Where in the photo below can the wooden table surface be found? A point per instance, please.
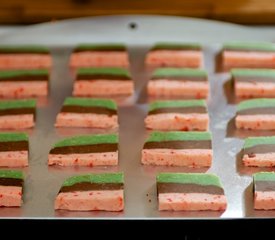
(237, 11)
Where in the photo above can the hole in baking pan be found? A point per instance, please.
(133, 26)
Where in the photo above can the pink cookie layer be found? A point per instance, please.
(86, 120)
(109, 200)
(191, 202)
(255, 122)
(264, 200)
(25, 61)
(10, 196)
(14, 159)
(180, 58)
(21, 121)
(177, 121)
(259, 160)
(176, 157)
(23, 89)
(254, 89)
(99, 59)
(166, 88)
(236, 59)
(102, 87)
(84, 159)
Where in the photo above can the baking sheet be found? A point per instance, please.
(43, 182)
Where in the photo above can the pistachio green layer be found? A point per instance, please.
(176, 45)
(18, 73)
(13, 137)
(179, 72)
(264, 176)
(243, 72)
(23, 49)
(10, 104)
(257, 46)
(254, 141)
(189, 178)
(94, 47)
(88, 140)
(11, 174)
(95, 178)
(176, 103)
(104, 71)
(256, 103)
(178, 136)
(90, 102)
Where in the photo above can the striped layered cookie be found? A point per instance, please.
(169, 54)
(179, 82)
(184, 115)
(14, 149)
(92, 192)
(190, 192)
(264, 190)
(99, 55)
(24, 57)
(256, 114)
(11, 188)
(17, 114)
(192, 149)
(87, 112)
(103, 82)
(86, 150)
(248, 55)
(259, 151)
(24, 83)
(253, 83)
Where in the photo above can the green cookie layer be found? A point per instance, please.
(23, 49)
(90, 102)
(11, 104)
(257, 46)
(88, 140)
(13, 137)
(261, 73)
(264, 176)
(176, 103)
(178, 72)
(256, 103)
(254, 141)
(19, 73)
(178, 136)
(11, 174)
(95, 178)
(101, 47)
(176, 46)
(189, 178)
(104, 71)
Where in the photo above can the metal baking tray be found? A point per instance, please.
(139, 33)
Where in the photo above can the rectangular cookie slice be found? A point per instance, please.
(92, 192)
(254, 83)
(99, 55)
(86, 150)
(14, 149)
(178, 82)
(11, 188)
(190, 192)
(24, 83)
(192, 149)
(103, 82)
(256, 114)
(169, 54)
(184, 115)
(88, 112)
(17, 114)
(25, 57)
(248, 55)
(259, 151)
(264, 190)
